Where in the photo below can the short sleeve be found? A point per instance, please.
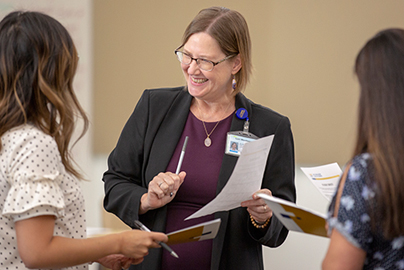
(34, 175)
(353, 220)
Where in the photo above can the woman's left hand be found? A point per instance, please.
(257, 207)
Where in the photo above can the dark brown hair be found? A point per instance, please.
(380, 70)
(230, 30)
(38, 61)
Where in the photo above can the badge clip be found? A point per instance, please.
(236, 139)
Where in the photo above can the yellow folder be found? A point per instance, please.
(296, 218)
(202, 231)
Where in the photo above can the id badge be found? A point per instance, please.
(236, 140)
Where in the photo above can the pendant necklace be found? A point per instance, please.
(208, 140)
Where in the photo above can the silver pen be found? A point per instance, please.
(184, 146)
(164, 245)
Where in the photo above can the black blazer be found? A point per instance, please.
(157, 123)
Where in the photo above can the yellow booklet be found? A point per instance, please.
(202, 231)
(296, 218)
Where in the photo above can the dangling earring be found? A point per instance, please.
(234, 83)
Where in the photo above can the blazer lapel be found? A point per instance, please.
(163, 146)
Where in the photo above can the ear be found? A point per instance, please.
(236, 63)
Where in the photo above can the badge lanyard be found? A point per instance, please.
(236, 139)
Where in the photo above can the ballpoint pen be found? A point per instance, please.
(164, 245)
(184, 146)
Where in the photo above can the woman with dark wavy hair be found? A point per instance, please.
(42, 218)
(366, 215)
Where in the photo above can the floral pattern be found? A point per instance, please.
(353, 219)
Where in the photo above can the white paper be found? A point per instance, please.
(325, 178)
(245, 179)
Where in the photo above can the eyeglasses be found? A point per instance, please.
(203, 64)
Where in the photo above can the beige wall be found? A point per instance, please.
(303, 54)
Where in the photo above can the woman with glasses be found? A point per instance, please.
(141, 181)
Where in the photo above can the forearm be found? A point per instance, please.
(63, 252)
(342, 254)
(39, 248)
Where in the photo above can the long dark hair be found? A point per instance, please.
(380, 70)
(38, 61)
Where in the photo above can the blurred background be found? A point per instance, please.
(303, 57)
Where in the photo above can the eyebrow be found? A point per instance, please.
(201, 57)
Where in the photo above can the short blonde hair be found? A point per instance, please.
(230, 30)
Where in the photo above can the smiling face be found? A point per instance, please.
(211, 85)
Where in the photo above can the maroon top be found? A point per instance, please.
(202, 165)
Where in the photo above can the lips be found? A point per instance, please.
(198, 81)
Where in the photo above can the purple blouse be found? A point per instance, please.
(202, 165)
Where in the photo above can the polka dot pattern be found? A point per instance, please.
(34, 182)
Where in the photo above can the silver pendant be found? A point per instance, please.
(208, 142)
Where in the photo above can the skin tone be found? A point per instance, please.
(342, 254)
(257, 207)
(159, 191)
(234, 146)
(213, 101)
(39, 248)
(211, 90)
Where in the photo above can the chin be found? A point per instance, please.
(194, 91)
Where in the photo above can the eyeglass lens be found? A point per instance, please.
(202, 63)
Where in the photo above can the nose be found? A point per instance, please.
(193, 67)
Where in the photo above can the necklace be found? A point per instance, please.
(208, 140)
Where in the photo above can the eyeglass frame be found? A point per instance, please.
(196, 59)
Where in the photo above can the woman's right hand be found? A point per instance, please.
(135, 244)
(162, 190)
(118, 261)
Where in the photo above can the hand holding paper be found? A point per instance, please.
(296, 218)
(245, 179)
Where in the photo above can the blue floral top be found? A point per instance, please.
(353, 220)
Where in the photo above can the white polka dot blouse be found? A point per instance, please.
(34, 182)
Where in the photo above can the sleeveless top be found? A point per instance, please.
(353, 218)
